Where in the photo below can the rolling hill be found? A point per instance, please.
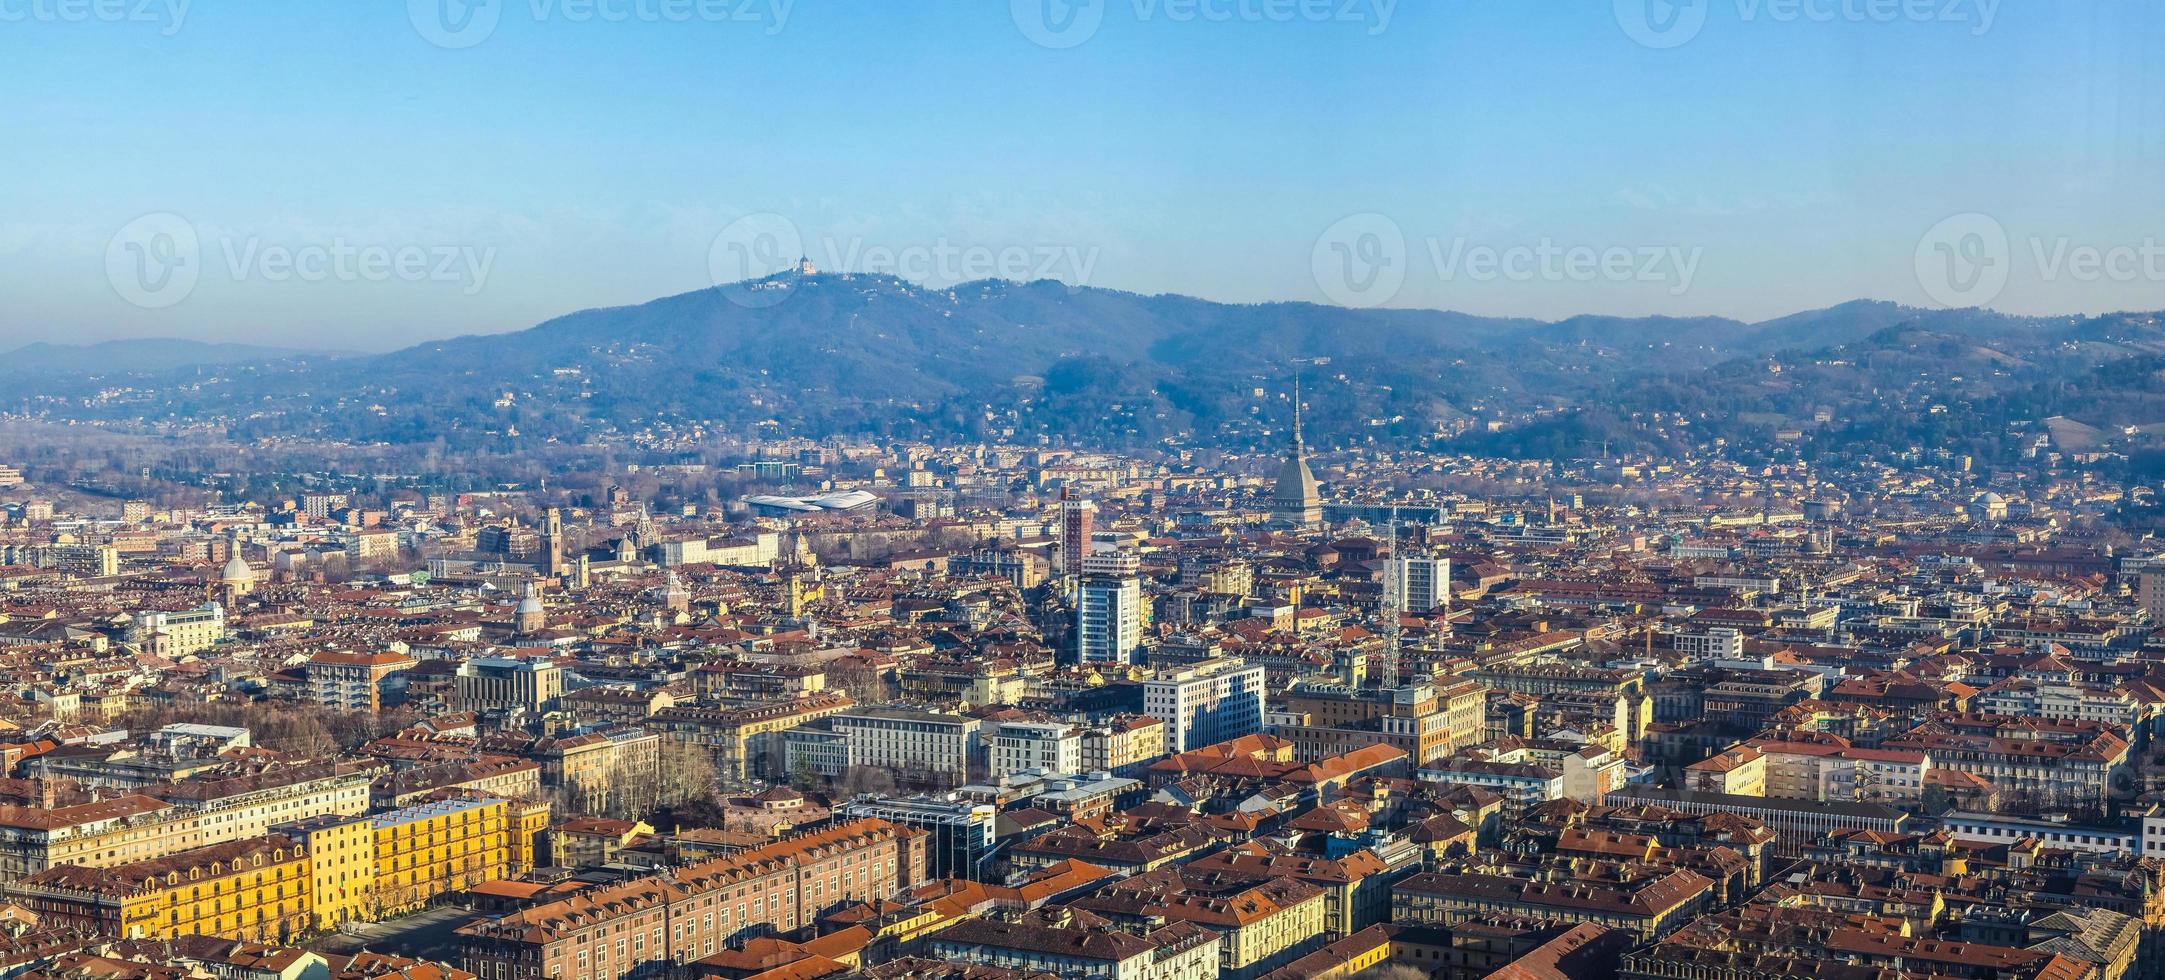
(1021, 361)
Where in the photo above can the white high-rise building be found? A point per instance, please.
(1052, 746)
(2153, 594)
(1419, 583)
(1206, 702)
(1109, 619)
(902, 739)
(1718, 643)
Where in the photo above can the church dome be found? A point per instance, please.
(237, 570)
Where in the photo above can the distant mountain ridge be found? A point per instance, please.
(1029, 361)
(144, 355)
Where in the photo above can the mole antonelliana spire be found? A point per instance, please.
(1297, 500)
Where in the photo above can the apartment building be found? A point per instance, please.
(1838, 772)
(899, 738)
(104, 834)
(235, 805)
(490, 775)
(435, 848)
(508, 684)
(1207, 702)
(178, 634)
(341, 868)
(1266, 921)
(1123, 746)
(1017, 746)
(695, 911)
(194, 812)
(1522, 785)
(722, 680)
(615, 705)
(81, 560)
(354, 680)
(1720, 643)
(1541, 677)
(1109, 619)
(1065, 943)
(1647, 901)
(1426, 722)
(2064, 701)
(2049, 762)
(597, 767)
(745, 739)
(254, 889)
(1418, 583)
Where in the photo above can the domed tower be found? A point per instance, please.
(235, 581)
(1297, 499)
(532, 617)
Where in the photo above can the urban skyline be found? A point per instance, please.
(1083, 490)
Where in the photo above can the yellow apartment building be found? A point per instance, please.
(445, 846)
(529, 820)
(255, 889)
(342, 867)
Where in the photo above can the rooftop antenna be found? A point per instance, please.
(1298, 444)
(1391, 589)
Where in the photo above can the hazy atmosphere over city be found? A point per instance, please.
(1082, 490)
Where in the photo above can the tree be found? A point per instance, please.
(867, 780)
(688, 772)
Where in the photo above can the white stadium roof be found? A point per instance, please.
(841, 500)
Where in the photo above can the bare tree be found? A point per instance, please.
(862, 780)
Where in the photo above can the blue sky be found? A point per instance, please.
(1786, 155)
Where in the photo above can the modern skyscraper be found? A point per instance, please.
(2153, 594)
(1109, 619)
(1078, 519)
(1206, 702)
(1297, 499)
